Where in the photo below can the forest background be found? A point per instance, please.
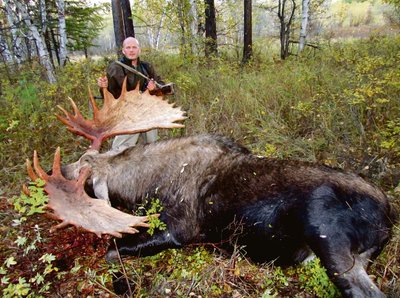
(334, 101)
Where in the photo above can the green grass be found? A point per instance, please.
(339, 106)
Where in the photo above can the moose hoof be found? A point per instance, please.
(112, 256)
(122, 286)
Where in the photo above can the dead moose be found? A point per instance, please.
(208, 185)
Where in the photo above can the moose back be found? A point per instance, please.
(211, 188)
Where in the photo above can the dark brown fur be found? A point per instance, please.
(287, 209)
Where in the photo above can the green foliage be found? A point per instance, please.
(391, 137)
(84, 23)
(150, 208)
(34, 202)
(395, 3)
(37, 285)
(314, 279)
(274, 281)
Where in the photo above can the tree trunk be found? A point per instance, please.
(43, 15)
(193, 24)
(62, 30)
(118, 24)
(181, 18)
(304, 22)
(123, 24)
(129, 30)
(285, 26)
(4, 49)
(16, 42)
(47, 40)
(211, 45)
(247, 30)
(43, 54)
(158, 32)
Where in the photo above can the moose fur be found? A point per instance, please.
(285, 210)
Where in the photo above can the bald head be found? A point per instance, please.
(130, 40)
(131, 49)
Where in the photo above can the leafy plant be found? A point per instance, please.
(150, 208)
(34, 202)
(313, 278)
(28, 205)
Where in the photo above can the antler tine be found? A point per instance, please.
(74, 106)
(133, 112)
(57, 162)
(42, 174)
(26, 190)
(69, 116)
(71, 205)
(93, 102)
(73, 122)
(30, 170)
(124, 89)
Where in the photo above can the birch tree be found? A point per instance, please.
(193, 23)
(43, 15)
(154, 31)
(40, 45)
(16, 40)
(285, 15)
(157, 35)
(4, 49)
(304, 22)
(62, 30)
(152, 16)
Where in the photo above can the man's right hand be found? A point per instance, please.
(102, 82)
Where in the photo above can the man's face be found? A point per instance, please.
(131, 49)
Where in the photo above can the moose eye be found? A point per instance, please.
(87, 159)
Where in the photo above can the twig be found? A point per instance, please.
(123, 269)
(104, 288)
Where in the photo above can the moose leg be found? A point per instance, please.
(340, 235)
(348, 273)
(142, 244)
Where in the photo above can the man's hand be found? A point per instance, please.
(151, 85)
(102, 82)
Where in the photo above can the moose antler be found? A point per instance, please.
(132, 112)
(73, 206)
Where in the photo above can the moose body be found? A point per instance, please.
(213, 189)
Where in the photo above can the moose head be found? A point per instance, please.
(133, 112)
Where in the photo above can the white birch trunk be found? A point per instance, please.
(43, 54)
(43, 15)
(62, 30)
(150, 36)
(16, 42)
(158, 33)
(193, 23)
(4, 49)
(304, 22)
